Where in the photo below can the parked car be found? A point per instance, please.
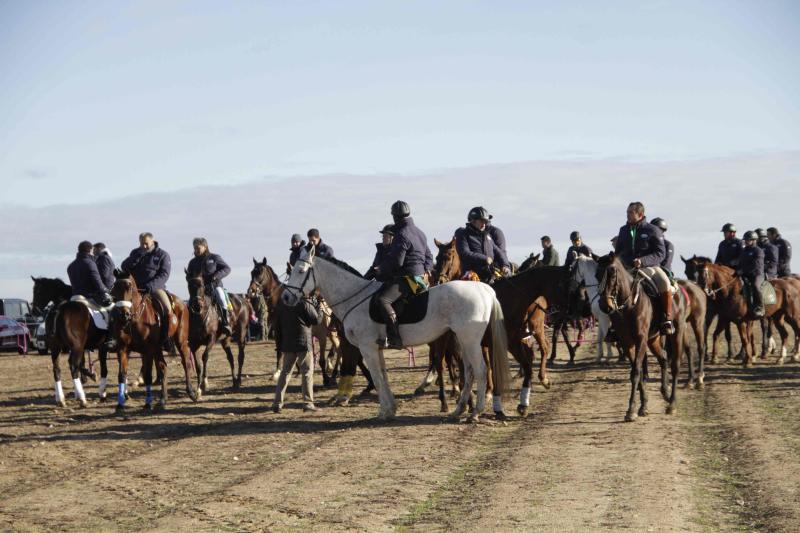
(19, 310)
(40, 339)
(14, 335)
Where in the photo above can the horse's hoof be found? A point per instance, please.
(643, 411)
(444, 408)
(159, 407)
(500, 415)
(61, 403)
(119, 409)
(472, 419)
(630, 416)
(546, 384)
(418, 391)
(194, 396)
(779, 362)
(147, 408)
(522, 410)
(83, 404)
(749, 364)
(689, 384)
(671, 409)
(103, 399)
(364, 393)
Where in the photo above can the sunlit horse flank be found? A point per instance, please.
(70, 329)
(136, 328)
(466, 308)
(205, 330)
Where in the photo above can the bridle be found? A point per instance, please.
(309, 274)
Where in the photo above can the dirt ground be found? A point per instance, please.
(729, 460)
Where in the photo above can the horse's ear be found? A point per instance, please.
(117, 272)
(185, 271)
(254, 261)
(437, 242)
(264, 261)
(34, 279)
(683, 259)
(312, 251)
(595, 257)
(536, 257)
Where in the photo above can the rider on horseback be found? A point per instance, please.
(784, 252)
(212, 268)
(577, 248)
(751, 270)
(549, 253)
(105, 264)
(322, 249)
(297, 245)
(640, 246)
(771, 254)
(150, 267)
(381, 249)
(477, 250)
(85, 278)
(408, 256)
(730, 248)
(666, 264)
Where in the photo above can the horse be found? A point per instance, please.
(633, 316)
(136, 326)
(584, 274)
(264, 280)
(724, 287)
(467, 309)
(70, 328)
(204, 329)
(532, 261)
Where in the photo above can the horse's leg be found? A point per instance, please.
(101, 388)
(198, 366)
(657, 348)
(765, 327)
(240, 359)
(780, 325)
(375, 362)
(570, 347)
(161, 376)
(186, 354)
(744, 332)
(226, 345)
(483, 381)
(715, 336)
(541, 340)
(675, 342)
(554, 348)
(486, 356)
(700, 338)
(368, 376)
(75, 365)
(122, 377)
(55, 356)
(433, 352)
(147, 375)
(526, 362)
(636, 376)
(278, 357)
(466, 390)
(443, 407)
(602, 331)
(206, 350)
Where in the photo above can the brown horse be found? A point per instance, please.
(725, 288)
(622, 297)
(698, 311)
(137, 327)
(70, 329)
(205, 329)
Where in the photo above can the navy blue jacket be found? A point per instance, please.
(323, 250)
(211, 266)
(498, 237)
(771, 255)
(408, 254)
(751, 263)
(728, 252)
(150, 268)
(293, 326)
(784, 256)
(475, 246)
(669, 254)
(84, 276)
(574, 252)
(106, 266)
(646, 244)
(380, 253)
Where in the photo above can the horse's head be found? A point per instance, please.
(448, 264)
(584, 271)
(704, 277)
(302, 281)
(259, 277)
(124, 292)
(197, 292)
(692, 267)
(532, 261)
(46, 290)
(610, 274)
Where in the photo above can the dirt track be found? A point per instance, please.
(728, 460)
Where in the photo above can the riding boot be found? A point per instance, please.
(392, 340)
(667, 328)
(758, 301)
(224, 319)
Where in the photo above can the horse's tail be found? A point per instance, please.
(501, 375)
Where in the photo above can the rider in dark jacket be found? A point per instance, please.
(577, 248)
(105, 264)
(408, 255)
(784, 252)
(150, 267)
(476, 249)
(212, 268)
(297, 246)
(669, 249)
(730, 248)
(751, 269)
(381, 249)
(549, 253)
(771, 254)
(84, 276)
(322, 249)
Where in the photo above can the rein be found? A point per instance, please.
(713, 292)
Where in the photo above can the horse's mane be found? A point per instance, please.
(702, 259)
(58, 281)
(523, 274)
(342, 264)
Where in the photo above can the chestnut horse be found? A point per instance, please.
(137, 327)
(205, 329)
(623, 298)
(725, 288)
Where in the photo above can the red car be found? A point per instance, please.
(14, 335)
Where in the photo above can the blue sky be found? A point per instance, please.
(100, 100)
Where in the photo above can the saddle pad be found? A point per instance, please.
(410, 312)
(768, 293)
(99, 314)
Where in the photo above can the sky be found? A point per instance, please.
(106, 101)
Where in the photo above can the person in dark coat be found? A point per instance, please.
(297, 246)
(476, 249)
(150, 266)
(666, 264)
(212, 268)
(381, 249)
(784, 252)
(408, 255)
(730, 248)
(549, 253)
(496, 234)
(322, 249)
(751, 269)
(771, 254)
(293, 339)
(577, 248)
(85, 278)
(105, 264)
(640, 246)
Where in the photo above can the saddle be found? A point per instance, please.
(408, 309)
(768, 295)
(99, 314)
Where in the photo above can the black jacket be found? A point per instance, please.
(728, 252)
(211, 266)
(670, 253)
(293, 326)
(574, 252)
(751, 262)
(771, 255)
(106, 266)
(408, 255)
(84, 276)
(149, 268)
(642, 241)
(474, 247)
(380, 254)
(498, 237)
(784, 256)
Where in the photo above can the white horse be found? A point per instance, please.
(584, 270)
(466, 308)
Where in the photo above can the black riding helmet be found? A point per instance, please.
(400, 209)
(388, 229)
(750, 235)
(761, 232)
(660, 223)
(729, 227)
(574, 236)
(478, 213)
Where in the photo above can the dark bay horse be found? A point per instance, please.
(205, 330)
(698, 311)
(725, 288)
(137, 327)
(70, 328)
(622, 297)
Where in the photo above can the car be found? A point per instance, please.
(14, 335)
(19, 310)
(40, 339)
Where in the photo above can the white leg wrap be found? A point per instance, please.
(101, 389)
(79, 394)
(59, 392)
(525, 396)
(497, 403)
